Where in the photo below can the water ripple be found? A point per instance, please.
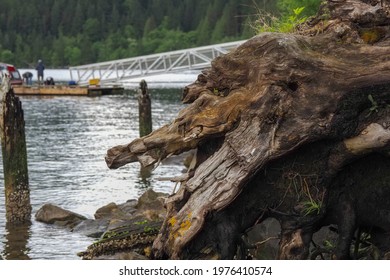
(67, 138)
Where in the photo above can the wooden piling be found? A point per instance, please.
(13, 143)
(145, 109)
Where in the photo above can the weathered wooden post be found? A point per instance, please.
(145, 122)
(13, 143)
(145, 110)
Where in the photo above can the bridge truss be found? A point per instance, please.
(116, 71)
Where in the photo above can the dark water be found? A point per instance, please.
(67, 138)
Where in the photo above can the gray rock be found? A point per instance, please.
(106, 211)
(116, 211)
(266, 237)
(151, 205)
(129, 206)
(151, 200)
(92, 228)
(52, 214)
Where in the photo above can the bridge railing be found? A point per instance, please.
(123, 69)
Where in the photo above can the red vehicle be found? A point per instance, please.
(16, 79)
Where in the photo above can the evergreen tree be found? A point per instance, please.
(55, 18)
(114, 18)
(78, 19)
(150, 25)
(7, 55)
(58, 57)
(136, 15)
(72, 32)
(226, 26)
(205, 27)
(188, 20)
(91, 29)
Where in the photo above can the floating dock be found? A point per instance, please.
(67, 90)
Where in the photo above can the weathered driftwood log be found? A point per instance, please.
(319, 98)
(13, 142)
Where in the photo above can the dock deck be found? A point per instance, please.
(66, 90)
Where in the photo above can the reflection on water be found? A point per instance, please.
(16, 241)
(67, 138)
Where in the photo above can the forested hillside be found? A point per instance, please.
(73, 32)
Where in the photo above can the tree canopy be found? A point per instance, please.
(70, 32)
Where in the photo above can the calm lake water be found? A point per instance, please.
(67, 139)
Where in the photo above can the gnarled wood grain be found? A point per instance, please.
(261, 102)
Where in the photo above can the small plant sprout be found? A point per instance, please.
(374, 105)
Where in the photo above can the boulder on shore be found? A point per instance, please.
(52, 214)
(125, 231)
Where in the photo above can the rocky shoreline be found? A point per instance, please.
(122, 231)
(127, 231)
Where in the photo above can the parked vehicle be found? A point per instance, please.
(16, 78)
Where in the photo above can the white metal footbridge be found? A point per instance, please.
(116, 71)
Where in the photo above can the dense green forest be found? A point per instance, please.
(73, 32)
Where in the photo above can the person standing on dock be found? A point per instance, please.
(40, 69)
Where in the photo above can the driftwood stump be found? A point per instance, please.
(13, 142)
(281, 124)
(144, 109)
